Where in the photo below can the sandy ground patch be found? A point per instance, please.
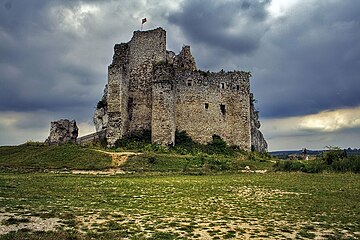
(32, 223)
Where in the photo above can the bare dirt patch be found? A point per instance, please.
(119, 158)
(10, 222)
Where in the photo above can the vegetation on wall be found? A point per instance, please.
(188, 156)
(184, 144)
(101, 104)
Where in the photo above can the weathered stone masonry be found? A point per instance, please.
(150, 88)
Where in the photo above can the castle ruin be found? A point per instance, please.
(152, 89)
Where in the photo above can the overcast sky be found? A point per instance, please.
(304, 56)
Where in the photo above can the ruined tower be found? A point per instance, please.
(152, 89)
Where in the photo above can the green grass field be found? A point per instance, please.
(40, 157)
(218, 206)
(169, 194)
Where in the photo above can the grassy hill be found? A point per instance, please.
(41, 157)
(38, 157)
(186, 157)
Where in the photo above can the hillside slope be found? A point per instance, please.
(41, 157)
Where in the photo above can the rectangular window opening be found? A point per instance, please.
(222, 85)
(189, 83)
(237, 87)
(222, 109)
(206, 105)
(130, 107)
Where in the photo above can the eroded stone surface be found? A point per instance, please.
(63, 131)
(100, 116)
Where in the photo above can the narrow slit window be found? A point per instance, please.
(237, 87)
(130, 107)
(206, 105)
(222, 109)
(222, 85)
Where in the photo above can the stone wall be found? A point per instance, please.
(146, 49)
(185, 60)
(163, 115)
(129, 95)
(214, 103)
(117, 93)
(92, 138)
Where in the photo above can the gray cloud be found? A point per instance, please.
(303, 62)
(54, 54)
(213, 23)
(316, 61)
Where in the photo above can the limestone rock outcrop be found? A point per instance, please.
(100, 118)
(63, 131)
(258, 142)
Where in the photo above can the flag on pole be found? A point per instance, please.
(144, 20)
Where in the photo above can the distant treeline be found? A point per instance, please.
(285, 154)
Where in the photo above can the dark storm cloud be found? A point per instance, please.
(37, 73)
(316, 61)
(54, 54)
(303, 62)
(211, 23)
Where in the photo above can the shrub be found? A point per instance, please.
(151, 160)
(332, 155)
(135, 141)
(313, 167)
(219, 146)
(288, 166)
(101, 104)
(333, 161)
(183, 139)
(350, 164)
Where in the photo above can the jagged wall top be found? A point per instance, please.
(147, 47)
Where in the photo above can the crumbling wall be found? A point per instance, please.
(117, 93)
(163, 114)
(214, 103)
(146, 49)
(185, 60)
(63, 131)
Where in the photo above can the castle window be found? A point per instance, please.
(222, 85)
(237, 87)
(189, 83)
(206, 105)
(130, 107)
(222, 109)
